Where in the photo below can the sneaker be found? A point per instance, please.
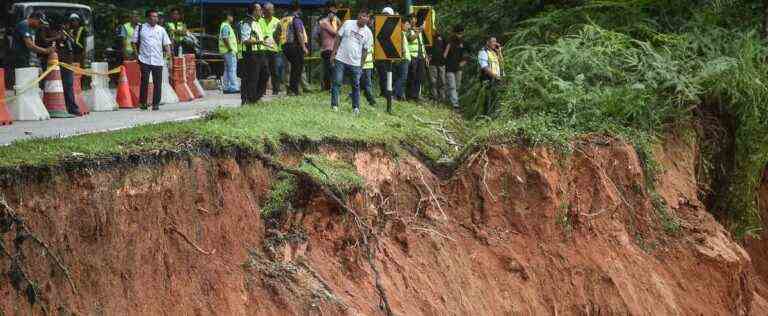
(335, 108)
(356, 111)
(155, 108)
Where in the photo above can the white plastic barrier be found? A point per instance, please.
(28, 106)
(100, 96)
(168, 94)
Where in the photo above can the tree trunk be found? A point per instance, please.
(765, 19)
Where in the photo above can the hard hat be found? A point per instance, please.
(388, 11)
(74, 16)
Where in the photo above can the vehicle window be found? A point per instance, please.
(61, 14)
(210, 43)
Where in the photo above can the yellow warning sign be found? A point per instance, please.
(425, 19)
(388, 37)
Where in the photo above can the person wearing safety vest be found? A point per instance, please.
(418, 66)
(228, 48)
(79, 34)
(270, 28)
(490, 61)
(177, 30)
(125, 34)
(255, 64)
(366, 80)
(401, 67)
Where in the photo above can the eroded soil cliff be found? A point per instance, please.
(511, 231)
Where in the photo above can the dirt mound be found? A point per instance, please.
(512, 231)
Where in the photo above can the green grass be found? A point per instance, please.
(305, 118)
(336, 174)
(280, 194)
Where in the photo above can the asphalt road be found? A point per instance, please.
(110, 121)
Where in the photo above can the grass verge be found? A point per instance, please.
(307, 117)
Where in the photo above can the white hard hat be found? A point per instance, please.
(74, 16)
(388, 11)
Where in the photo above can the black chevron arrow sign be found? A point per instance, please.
(387, 32)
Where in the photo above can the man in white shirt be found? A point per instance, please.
(150, 40)
(354, 41)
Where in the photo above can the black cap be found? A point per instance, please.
(39, 15)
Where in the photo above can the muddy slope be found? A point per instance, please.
(511, 231)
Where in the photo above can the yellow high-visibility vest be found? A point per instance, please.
(231, 39)
(268, 30)
(493, 62)
(127, 47)
(177, 30)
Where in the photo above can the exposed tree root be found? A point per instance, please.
(189, 241)
(432, 194)
(605, 175)
(23, 230)
(434, 232)
(364, 229)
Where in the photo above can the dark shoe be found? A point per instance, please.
(232, 92)
(155, 107)
(143, 107)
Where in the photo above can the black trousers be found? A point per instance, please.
(253, 72)
(327, 70)
(274, 76)
(157, 81)
(268, 72)
(68, 80)
(416, 72)
(295, 55)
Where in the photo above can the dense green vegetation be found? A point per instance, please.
(635, 69)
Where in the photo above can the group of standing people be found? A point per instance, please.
(255, 48)
(439, 64)
(63, 37)
(262, 42)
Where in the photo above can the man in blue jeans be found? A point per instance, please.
(401, 67)
(354, 41)
(228, 47)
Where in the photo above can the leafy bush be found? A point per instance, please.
(637, 69)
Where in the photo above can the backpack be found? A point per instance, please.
(285, 23)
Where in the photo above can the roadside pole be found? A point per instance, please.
(389, 88)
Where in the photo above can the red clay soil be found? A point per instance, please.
(513, 231)
(758, 247)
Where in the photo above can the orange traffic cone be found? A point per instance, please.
(180, 80)
(77, 86)
(124, 99)
(53, 94)
(192, 76)
(133, 73)
(5, 116)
